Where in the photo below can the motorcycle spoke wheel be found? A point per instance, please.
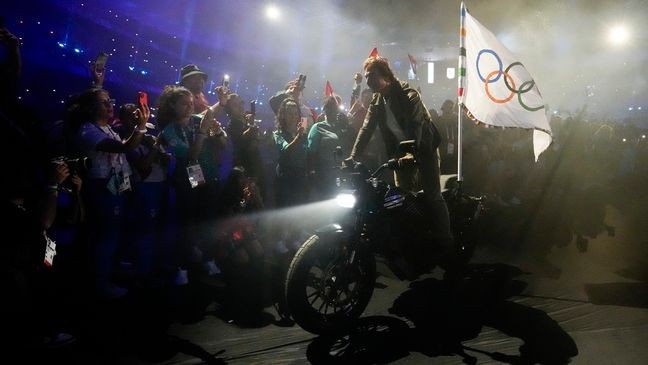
(324, 291)
(327, 293)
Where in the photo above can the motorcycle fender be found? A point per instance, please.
(333, 233)
(330, 229)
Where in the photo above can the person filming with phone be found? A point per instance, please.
(291, 142)
(192, 78)
(294, 89)
(244, 133)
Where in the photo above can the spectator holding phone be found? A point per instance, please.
(108, 183)
(291, 142)
(192, 78)
(244, 133)
(295, 90)
(195, 176)
(150, 191)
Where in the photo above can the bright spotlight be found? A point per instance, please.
(272, 12)
(618, 35)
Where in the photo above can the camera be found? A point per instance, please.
(77, 166)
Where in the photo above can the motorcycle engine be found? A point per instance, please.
(403, 205)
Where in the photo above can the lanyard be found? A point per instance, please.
(114, 136)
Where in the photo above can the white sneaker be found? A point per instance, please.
(181, 278)
(212, 268)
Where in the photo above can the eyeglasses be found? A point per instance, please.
(107, 102)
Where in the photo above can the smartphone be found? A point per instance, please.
(302, 81)
(253, 107)
(143, 98)
(226, 82)
(100, 62)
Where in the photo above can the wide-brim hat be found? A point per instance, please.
(190, 70)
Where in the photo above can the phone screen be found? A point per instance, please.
(253, 106)
(143, 98)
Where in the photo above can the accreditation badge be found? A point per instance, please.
(123, 182)
(50, 251)
(196, 177)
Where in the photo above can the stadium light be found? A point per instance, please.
(618, 35)
(272, 12)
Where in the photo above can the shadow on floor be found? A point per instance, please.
(623, 294)
(443, 317)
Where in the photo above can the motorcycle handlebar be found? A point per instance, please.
(350, 165)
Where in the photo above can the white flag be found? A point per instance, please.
(496, 88)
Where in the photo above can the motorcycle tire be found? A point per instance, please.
(314, 282)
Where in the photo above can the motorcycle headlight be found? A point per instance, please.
(345, 200)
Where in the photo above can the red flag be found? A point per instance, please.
(374, 53)
(412, 61)
(328, 91)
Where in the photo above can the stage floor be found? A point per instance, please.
(519, 305)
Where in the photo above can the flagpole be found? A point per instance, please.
(460, 91)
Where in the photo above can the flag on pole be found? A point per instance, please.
(495, 87)
(328, 90)
(373, 53)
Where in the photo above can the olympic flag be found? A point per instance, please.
(497, 89)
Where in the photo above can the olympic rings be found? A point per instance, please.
(499, 61)
(525, 87)
(531, 82)
(512, 88)
(506, 76)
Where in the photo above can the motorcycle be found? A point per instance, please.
(332, 276)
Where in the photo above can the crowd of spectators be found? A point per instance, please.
(111, 199)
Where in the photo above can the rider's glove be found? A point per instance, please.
(406, 161)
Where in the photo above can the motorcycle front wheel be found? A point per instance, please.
(326, 291)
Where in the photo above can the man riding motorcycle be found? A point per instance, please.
(401, 115)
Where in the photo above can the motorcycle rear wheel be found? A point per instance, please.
(324, 293)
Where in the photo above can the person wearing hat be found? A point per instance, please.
(194, 79)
